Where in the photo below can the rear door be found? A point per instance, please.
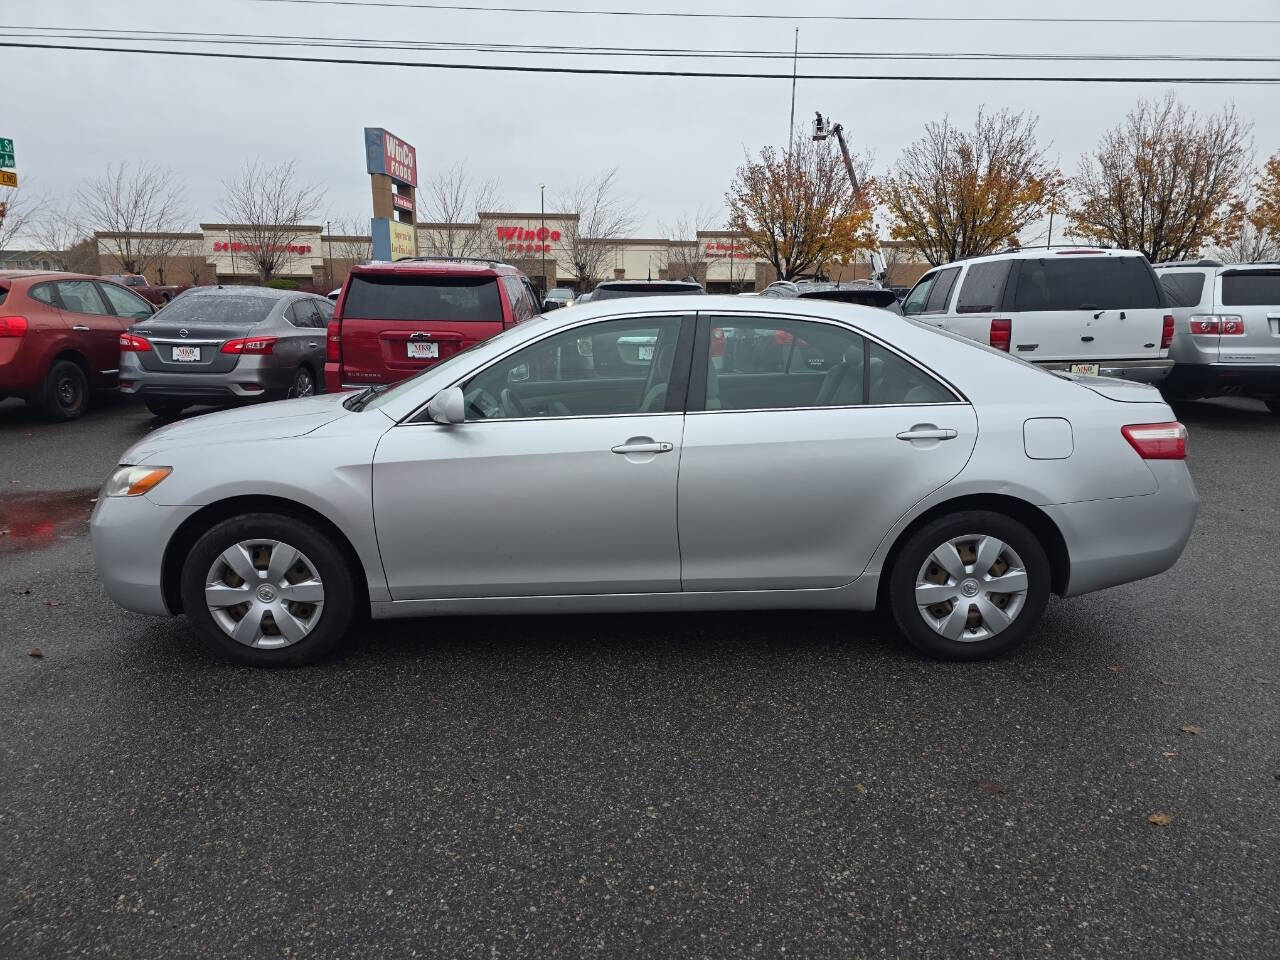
(1072, 306)
(1254, 296)
(94, 327)
(396, 324)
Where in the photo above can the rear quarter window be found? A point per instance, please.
(1183, 289)
(403, 297)
(1072, 282)
(4, 293)
(1251, 288)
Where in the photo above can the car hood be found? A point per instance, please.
(1125, 391)
(266, 421)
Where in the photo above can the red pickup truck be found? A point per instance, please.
(157, 294)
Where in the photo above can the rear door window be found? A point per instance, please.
(81, 296)
(403, 297)
(940, 295)
(1183, 289)
(1251, 288)
(1074, 282)
(983, 287)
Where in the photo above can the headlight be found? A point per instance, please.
(134, 481)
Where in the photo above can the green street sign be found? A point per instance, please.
(6, 160)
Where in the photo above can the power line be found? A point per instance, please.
(699, 15)
(619, 72)
(372, 43)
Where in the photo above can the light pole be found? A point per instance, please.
(328, 243)
(542, 234)
(231, 248)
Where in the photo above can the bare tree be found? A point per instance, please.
(1165, 181)
(686, 256)
(60, 236)
(268, 206)
(1250, 244)
(449, 209)
(139, 209)
(348, 239)
(598, 219)
(18, 210)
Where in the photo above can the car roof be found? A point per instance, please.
(622, 284)
(438, 266)
(60, 274)
(232, 290)
(1218, 265)
(1041, 253)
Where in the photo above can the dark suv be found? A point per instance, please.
(616, 289)
(393, 320)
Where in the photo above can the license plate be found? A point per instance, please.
(646, 353)
(1086, 369)
(423, 351)
(186, 354)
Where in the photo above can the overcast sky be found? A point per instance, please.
(674, 141)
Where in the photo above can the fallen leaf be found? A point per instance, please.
(1264, 680)
(1161, 819)
(1192, 729)
(995, 789)
(1171, 753)
(22, 591)
(1170, 683)
(35, 652)
(53, 603)
(862, 790)
(1115, 667)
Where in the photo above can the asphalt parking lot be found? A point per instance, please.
(714, 785)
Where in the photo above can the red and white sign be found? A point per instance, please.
(400, 159)
(221, 246)
(716, 249)
(522, 240)
(401, 202)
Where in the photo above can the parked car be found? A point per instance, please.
(557, 297)
(226, 345)
(494, 483)
(396, 319)
(615, 289)
(159, 294)
(868, 293)
(59, 337)
(1226, 337)
(1078, 309)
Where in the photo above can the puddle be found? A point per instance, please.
(32, 520)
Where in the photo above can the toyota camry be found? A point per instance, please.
(673, 453)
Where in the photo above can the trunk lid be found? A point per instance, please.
(1124, 391)
(187, 335)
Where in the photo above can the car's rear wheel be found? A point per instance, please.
(166, 409)
(969, 586)
(304, 383)
(66, 392)
(268, 590)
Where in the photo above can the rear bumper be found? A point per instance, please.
(250, 380)
(1124, 539)
(1143, 371)
(1215, 379)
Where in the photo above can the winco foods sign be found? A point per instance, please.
(387, 153)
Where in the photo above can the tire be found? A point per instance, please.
(166, 409)
(212, 562)
(304, 383)
(936, 631)
(66, 392)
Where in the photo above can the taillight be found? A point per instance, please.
(1157, 441)
(1166, 334)
(250, 345)
(1001, 334)
(1215, 325)
(333, 343)
(132, 343)
(13, 326)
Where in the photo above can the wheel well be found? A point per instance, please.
(75, 357)
(194, 526)
(1029, 515)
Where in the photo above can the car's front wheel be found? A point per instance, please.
(268, 590)
(969, 586)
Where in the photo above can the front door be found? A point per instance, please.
(562, 480)
(812, 442)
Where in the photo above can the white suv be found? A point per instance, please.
(1079, 309)
(1227, 337)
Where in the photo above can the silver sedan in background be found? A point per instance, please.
(754, 454)
(226, 345)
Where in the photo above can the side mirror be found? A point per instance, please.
(448, 406)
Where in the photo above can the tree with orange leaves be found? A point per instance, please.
(1165, 181)
(1265, 216)
(958, 193)
(798, 210)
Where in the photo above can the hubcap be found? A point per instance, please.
(971, 588)
(66, 392)
(264, 593)
(302, 386)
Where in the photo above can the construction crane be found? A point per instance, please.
(823, 128)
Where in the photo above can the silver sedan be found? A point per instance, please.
(682, 453)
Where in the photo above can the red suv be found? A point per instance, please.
(60, 337)
(395, 319)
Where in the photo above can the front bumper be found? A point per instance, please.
(1124, 539)
(1216, 379)
(1143, 371)
(129, 537)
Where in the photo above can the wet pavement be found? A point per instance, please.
(715, 785)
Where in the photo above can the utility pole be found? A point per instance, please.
(791, 126)
(542, 234)
(328, 239)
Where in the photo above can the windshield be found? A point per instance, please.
(195, 309)
(407, 297)
(560, 293)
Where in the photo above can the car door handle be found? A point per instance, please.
(311, 345)
(928, 433)
(651, 446)
(80, 328)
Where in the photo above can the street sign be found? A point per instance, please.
(6, 153)
(8, 178)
